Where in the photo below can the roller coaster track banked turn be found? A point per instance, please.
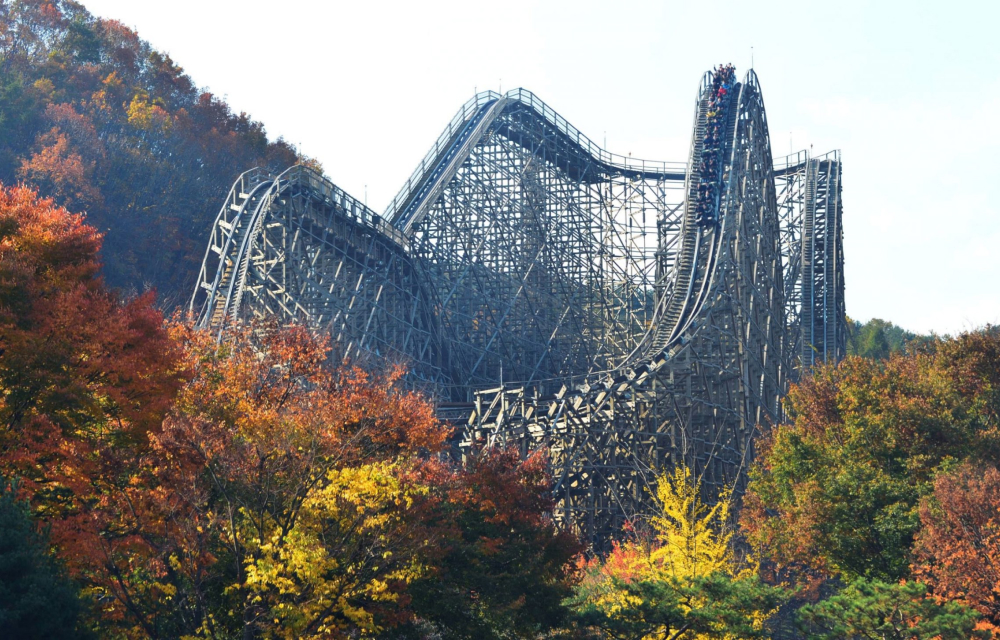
(550, 294)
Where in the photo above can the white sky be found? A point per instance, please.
(909, 91)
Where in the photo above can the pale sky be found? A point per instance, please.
(909, 91)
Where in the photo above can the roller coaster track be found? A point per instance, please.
(551, 294)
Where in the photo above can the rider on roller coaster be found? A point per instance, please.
(718, 106)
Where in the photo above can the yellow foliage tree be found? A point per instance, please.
(693, 539)
(684, 581)
(323, 577)
(146, 116)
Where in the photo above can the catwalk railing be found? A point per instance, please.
(551, 294)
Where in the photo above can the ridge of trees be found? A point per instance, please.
(879, 339)
(102, 122)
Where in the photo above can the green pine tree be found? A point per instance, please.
(37, 600)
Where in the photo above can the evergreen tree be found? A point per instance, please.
(894, 611)
(37, 600)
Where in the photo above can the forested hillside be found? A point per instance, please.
(95, 117)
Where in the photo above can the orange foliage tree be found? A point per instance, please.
(84, 377)
(71, 353)
(268, 459)
(957, 552)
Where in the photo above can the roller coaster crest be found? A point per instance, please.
(550, 294)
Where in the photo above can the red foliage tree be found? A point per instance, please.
(84, 376)
(957, 551)
(499, 565)
(71, 352)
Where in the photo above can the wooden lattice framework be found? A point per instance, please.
(551, 294)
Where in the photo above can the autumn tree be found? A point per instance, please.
(957, 551)
(499, 566)
(71, 353)
(686, 582)
(85, 377)
(838, 489)
(79, 369)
